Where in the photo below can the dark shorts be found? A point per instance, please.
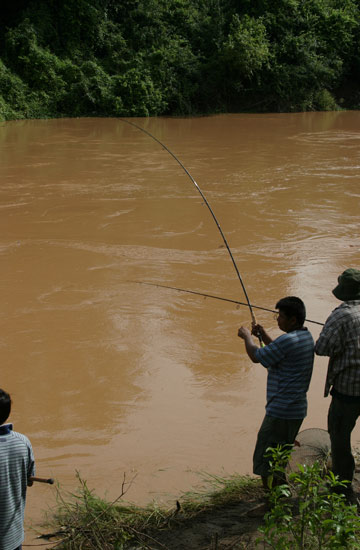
(273, 432)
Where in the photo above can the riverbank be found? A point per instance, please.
(226, 514)
(213, 517)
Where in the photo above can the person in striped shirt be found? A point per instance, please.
(340, 341)
(289, 362)
(16, 466)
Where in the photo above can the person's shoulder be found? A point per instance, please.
(282, 341)
(295, 336)
(21, 437)
(304, 334)
(344, 308)
(351, 306)
(345, 311)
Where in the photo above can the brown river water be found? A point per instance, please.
(112, 377)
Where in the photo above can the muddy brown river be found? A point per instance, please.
(109, 376)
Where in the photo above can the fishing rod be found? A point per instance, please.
(49, 480)
(209, 207)
(236, 302)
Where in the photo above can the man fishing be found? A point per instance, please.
(340, 341)
(289, 361)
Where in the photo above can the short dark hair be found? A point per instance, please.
(5, 406)
(292, 306)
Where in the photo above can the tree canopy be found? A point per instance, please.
(177, 57)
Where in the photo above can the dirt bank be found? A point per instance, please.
(226, 528)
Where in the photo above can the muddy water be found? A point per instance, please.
(112, 377)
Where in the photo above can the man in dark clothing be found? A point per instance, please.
(340, 341)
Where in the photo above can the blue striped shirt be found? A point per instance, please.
(289, 360)
(16, 466)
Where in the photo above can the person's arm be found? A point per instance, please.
(250, 347)
(332, 337)
(31, 464)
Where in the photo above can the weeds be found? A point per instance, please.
(318, 519)
(219, 491)
(86, 521)
(306, 513)
(83, 520)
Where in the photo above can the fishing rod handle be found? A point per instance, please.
(259, 337)
(49, 480)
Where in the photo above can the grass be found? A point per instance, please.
(219, 491)
(305, 514)
(84, 521)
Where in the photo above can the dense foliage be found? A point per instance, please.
(321, 520)
(152, 57)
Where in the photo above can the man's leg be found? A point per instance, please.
(342, 418)
(273, 432)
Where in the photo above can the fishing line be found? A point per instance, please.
(207, 204)
(216, 298)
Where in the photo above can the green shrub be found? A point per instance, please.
(155, 57)
(323, 519)
(136, 94)
(325, 101)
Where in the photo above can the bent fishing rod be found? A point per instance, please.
(208, 206)
(197, 293)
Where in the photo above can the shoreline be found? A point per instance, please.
(214, 515)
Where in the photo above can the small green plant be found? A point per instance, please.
(318, 516)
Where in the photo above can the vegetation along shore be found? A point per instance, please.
(77, 58)
(224, 514)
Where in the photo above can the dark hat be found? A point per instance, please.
(349, 285)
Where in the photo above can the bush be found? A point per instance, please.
(323, 519)
(153, 57)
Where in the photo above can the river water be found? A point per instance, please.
(110, 377)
